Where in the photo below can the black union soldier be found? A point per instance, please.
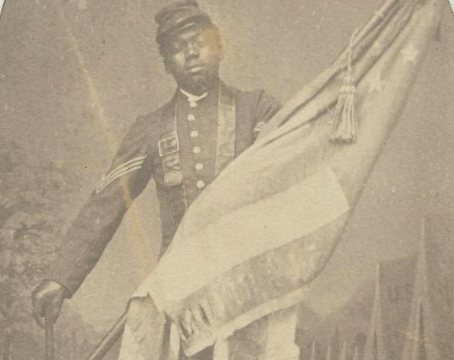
(182, 146)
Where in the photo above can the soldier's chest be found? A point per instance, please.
(197, 131)
(197, 140)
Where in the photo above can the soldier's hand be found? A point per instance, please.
(47, 301)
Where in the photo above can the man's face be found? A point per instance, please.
(193, 58)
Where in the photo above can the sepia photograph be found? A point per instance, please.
(226, 180)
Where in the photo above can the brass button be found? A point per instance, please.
(191, 117)
(199, 166)
(196, 150)
(194, 133)
(200, 184)
(192, 104)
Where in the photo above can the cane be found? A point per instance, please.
(49, 335)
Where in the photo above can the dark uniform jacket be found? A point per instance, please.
(182, 146)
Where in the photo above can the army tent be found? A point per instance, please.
(329, 353)
(430, 331)
(314, 351)
(355, 354)
(392, 305)
(344, 352)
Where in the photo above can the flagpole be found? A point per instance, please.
(109, 339)
(371, 27)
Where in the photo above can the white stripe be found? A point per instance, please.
(113, 173)
(123, 172)
(303, 209)
(140, 158)
(2, 2)
(106, 181)
(102, 186)
(130, 161)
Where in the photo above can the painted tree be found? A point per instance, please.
(33, 198)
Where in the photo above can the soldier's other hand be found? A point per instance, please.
(47, 301)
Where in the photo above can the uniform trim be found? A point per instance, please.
(123, 169)
(226, 137)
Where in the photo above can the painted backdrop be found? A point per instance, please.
(74, 74)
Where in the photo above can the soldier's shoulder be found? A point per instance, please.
(254, 96)
(144, 130)
(149, 119)
(244, 94)
(147, 123)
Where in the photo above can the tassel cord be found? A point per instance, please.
(345, 127)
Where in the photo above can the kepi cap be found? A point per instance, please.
(177, 16)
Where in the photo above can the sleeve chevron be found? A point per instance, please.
(123, 169)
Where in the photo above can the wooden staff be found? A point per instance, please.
(109, 339)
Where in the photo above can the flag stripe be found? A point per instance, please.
(303, 209)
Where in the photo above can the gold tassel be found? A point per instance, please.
(345, 125)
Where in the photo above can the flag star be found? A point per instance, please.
(410, 53)
(376, 49)
(375, 82)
